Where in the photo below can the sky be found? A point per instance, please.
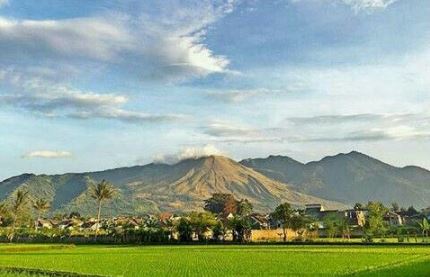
(91, 85)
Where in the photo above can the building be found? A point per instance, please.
(314, 210)
(393, 219)
(356, 218)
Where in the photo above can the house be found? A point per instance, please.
(319, 213)
(413, 220)
(426, 213)
(230, 216)
(44, 223)
(134, 223)
(314, 210)
(47, 223)
(356, 218)
(71, 224)
(89, 224)
(127, 222)
(260, 221)
(393, 219)
(165, 218)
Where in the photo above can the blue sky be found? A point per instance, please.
(90, 85)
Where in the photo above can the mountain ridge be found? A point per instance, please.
(351, 177)
(343, 178)
(162, 187)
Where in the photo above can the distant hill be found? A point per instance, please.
(161, 187)
(350, 178)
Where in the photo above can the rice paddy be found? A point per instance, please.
(213, 260)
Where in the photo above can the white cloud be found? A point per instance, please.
(229, 132)
(359, 5)
(164, 41)
(172, 42)
(43, 97)
(385, 101)
(189, 153)
(47, 154)
(127, 116)
(359, 127)
(239, 96)
(95, 38)
(228, 129)
(327, 128)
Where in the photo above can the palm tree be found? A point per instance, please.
(41, 206)
(425, 227)
(101, 192)
(283, 214)
(18, 205)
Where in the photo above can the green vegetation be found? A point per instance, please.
(41, 206)
(12, 274)
(249, 260)
(283, 214)
(101, 192)
(411, 269)
(17, 210)
(225, 219)
(425, 228)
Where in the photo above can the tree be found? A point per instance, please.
(297, 223)
(411, 211)
(74, 214)
(358, 206)
(395, 207)
(331, 224)
(3, 210)
(375, 223)
(201, 223)
(218, 231)
(283, 214)
(241, 227)
(221, 203)
(344, 228)
(101, 192)
(4, 214)
(244, 207)
(184, 229)
(41, 206)
(18, 204)
(425, 227)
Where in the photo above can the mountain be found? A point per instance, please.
(350, 178)
(161, 187)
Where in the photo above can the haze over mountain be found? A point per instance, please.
(161, 187)
(350, 178)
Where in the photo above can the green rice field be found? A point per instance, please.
(214, 260)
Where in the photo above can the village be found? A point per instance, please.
(226, 219)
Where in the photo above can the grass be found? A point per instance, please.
(414, 268)
(10, 274)
(250, 260)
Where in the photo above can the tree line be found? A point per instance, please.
(223, 215)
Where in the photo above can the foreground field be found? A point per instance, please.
(219, 260)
